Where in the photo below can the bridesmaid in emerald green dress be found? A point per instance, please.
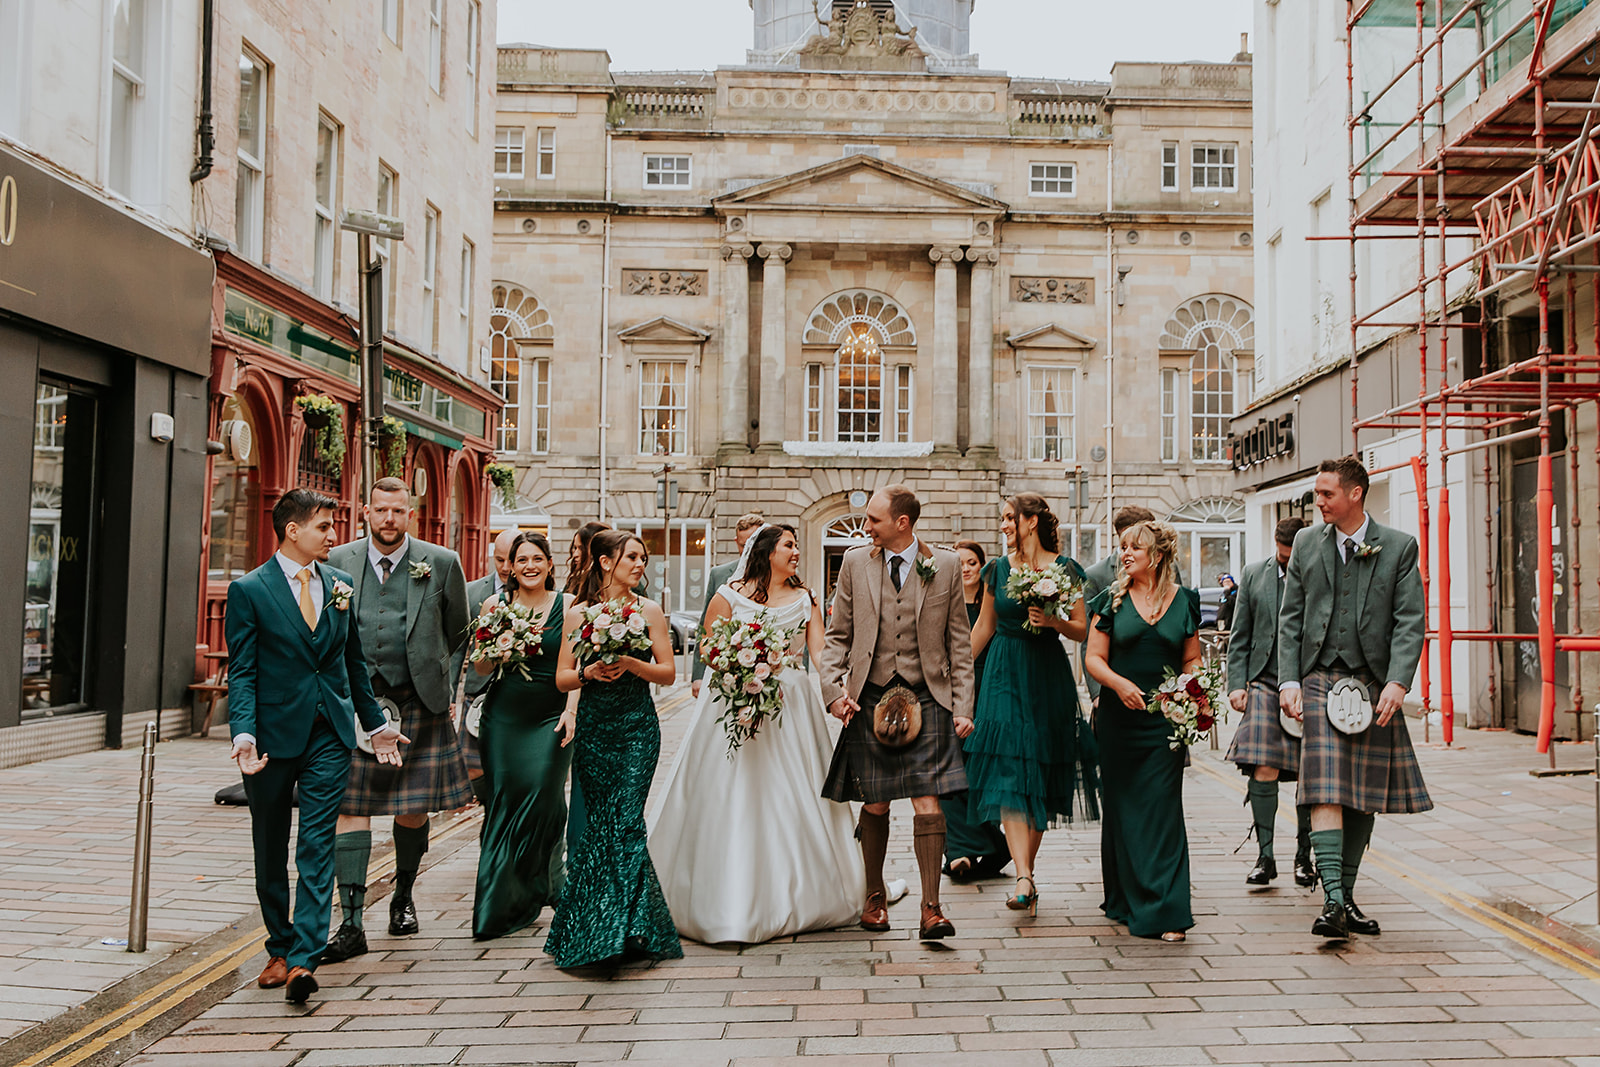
(524, 763)
(612, 905)
(1143, 624)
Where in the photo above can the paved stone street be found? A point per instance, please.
(1450, 981)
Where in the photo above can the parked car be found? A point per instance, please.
(685, 625)
(1210, 602)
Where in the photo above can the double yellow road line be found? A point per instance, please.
(96, 1036)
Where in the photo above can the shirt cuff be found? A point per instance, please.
(243, 739)
(1282, 686)
(373, 735)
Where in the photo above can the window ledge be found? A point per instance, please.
(858, 448)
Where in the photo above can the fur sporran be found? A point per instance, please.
(897, 717)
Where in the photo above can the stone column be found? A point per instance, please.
(736, 347)
(774, 345)
(945, 364)
(980, 351)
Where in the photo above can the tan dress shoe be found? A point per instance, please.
(875, 913)
(302, 983)
(934, 925)
(274, 974)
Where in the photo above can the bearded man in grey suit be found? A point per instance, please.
(410, 608)
(1350, 636)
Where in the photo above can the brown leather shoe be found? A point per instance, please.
(274, 974)
(875, 913)
(302, 983)
(934, 925)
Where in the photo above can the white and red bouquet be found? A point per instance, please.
(1053, 590)
(744, 658)
(507, 637)
(1192, 703)
(612, 629)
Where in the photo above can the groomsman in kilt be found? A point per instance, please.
(297, 696)
(1261, 747)
(1350, 637)
(471, 683)
(410, 605)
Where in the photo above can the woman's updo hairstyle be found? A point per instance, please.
(1037, 507)
(758, 578)
(1161, 542)
(606, 544)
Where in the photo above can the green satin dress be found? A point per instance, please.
(520, 868)
(612, 905)
(1144, 845)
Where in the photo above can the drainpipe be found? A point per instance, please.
(605, 334)
(206, 131)
(1111, 347)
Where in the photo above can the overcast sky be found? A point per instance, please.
(1032, 38)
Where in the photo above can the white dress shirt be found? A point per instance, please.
(394, 557)
(908, 561)
(291, 570)
(1360, 537)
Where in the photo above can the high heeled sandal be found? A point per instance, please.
(1173, 937)
(961, 869)
(1028, 902)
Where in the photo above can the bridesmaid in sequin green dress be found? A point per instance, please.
(524, 763)
(612, 905)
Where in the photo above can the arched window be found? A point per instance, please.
(1211, 329)
(858, 365)
(871, 398)
(517, 316)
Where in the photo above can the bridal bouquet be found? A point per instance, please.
(1192, 703)
(612, 629)
(743, 659)
(1053, 589)
(507, 637)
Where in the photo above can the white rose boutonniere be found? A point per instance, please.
(421, 570)
(927, 567)
(341, 596)
(1367, 551)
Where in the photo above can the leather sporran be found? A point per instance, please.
(897, 717)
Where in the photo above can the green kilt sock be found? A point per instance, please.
(1328, 847)
(351, 854)
(1302, 837)
(1357, 834)
(1264, 809)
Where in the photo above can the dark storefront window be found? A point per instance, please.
(235, 496)
(55, 632)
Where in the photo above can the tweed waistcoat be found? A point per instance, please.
(381, 614)
(895, 651)
(1344, 633)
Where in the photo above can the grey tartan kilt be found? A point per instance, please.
(868, 772)
(1261, 740)
(1373, 771)
(432, 775)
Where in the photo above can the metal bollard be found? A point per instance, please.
(139, 904)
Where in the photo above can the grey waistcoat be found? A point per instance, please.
(381, 614)
(1344, 635)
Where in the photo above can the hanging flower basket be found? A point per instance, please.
(503, 476)
(392, 446)
(324, 419)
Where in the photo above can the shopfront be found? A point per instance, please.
(285, 387)
(102, 461)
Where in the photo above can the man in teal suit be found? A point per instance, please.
(410, 604)
(297, 682)
(1350, 636)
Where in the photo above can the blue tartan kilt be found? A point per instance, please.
(432, 775)
(1373, 771)
(1261, 740)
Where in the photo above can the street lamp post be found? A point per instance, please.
(366, 225)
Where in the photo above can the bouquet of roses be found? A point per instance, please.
(507, 637)
(612, 629)
(1053, 589)
(743, 659)
(1192, 703)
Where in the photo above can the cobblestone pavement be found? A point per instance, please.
(1450, 981)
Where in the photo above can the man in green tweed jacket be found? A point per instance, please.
(1352, 610)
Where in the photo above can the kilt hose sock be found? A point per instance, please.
(1357, 834)
(1302, 837)
(873, 830)
(351, 853)
(410, 845)
(1263, 798)
(928, 843)
(1328, 847)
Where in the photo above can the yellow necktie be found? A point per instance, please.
(307, 611)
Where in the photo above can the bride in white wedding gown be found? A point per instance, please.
(746, 848)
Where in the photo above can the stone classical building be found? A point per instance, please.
(859, 259)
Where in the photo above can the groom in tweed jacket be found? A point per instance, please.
(1352, 609)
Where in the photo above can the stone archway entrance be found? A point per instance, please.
(838, 537)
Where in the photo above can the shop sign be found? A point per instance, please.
(1267, 439)
(244, 316)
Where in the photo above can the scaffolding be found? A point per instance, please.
(1474, 138)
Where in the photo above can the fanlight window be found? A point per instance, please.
(847, 528)
(516, 315)
(1213, 328)
(1211, 510)
(835, 316)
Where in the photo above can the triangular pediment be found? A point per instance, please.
(1050, 335)
(663, 328)
(860, 182)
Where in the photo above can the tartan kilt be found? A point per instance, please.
(868, 772)
(1261, 740)
(1373, 771)
(432, 776)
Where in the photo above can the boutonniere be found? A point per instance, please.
(927, 567)
(1365, 550)
(341, 595)
(421, 570)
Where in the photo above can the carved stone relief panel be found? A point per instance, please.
(664, 282)
(1028, 290)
